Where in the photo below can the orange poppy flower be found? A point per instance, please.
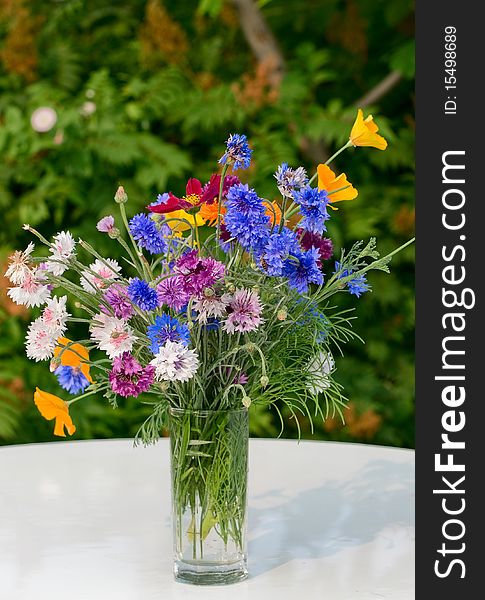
(364, 132)
(329, 182)
(52, 407)
(75, 355)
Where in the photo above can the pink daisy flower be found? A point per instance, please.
(244, 312)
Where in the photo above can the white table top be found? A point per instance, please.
(91, 520)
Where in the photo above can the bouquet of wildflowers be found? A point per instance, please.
(224, 299)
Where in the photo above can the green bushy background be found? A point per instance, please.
(145, 94)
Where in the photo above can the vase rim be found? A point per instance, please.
(204, 411)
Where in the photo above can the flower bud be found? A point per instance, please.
(246, 401)
(264, 381)
(114, 233)
(121, 196)
(281, 315)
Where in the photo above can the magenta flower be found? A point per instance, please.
(314, 240)
(106, 224)
(198, 273)
(128, 377)
(171, 292)
(117, 297)
(244, 312)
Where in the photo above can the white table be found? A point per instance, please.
(91, 520)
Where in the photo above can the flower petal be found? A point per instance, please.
(53, 407)
(364, 132)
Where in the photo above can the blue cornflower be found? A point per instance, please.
(302, 269)
(251, 232)
(243, 200)
(238, 153)
(290, 180)
(161, 199)
(141, 294)
(71, 379)
(146, 234)
(167, 328)
(312, 315)
(356, 286)
(277, 249)
(313, 206)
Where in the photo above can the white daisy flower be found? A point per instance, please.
(211, 306)
(105, 275)
(114, 336)
(175, 362)
(20, 265)
(40, 340)
(55, 315)
(30, 292)
(319, 368)
(62, 249)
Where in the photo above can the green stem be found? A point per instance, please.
(219, 202)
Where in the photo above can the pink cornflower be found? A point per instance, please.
(198, 273)
(117, 297)
(171, 292)
(106, 224)
(128, 377)
(244, 312)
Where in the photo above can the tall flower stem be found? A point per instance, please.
(219, 202)
(344, 147)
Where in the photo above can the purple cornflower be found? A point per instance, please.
(238, 153)
(117, 297)
(106, 224)
(146, 234)
(171, 291)
(313, 207)
(198, 273)
(244, 312)
(128, 377)
(167, 328)
(142, 294)
(71, 379)
(245, 201)
(302, 269)
(290, 180)
(314, 240)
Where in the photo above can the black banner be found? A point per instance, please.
(450, 367)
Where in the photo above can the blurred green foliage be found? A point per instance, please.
(145, 94)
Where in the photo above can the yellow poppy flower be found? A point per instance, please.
(52, 407)
(329, 182)
(209, 213)
(364, 132)
(75, 355)
(182, 214)
(273, 212)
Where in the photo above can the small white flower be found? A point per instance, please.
(319, 368)
(175, 362)
(40, 340)
(55, 315)
(62, 250)
(104, 275)
(20, 265)
(31, 292)
(212, 306)
(43, 119)
(112, 335)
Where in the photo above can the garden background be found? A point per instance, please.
(145, 93)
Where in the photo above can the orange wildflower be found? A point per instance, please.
(364, 132)
(329, 182)
(209, 213)
(75, 355)
(273, 212)
(52, 407)
(178, 226)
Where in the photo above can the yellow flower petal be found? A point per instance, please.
(76, 355)
(52, 407)
(181, 214)
(364, 132)
(329, 182)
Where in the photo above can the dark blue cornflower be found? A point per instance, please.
(290, 180)
(167, 328)
(141, 294)
(243, 200)
(71, 379)
(302, 269)
(313, 207)
(146, 234)
(238, 153)
(356, 286)
(212, 324)
(276, 251)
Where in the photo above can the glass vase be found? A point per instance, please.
(209, 463)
